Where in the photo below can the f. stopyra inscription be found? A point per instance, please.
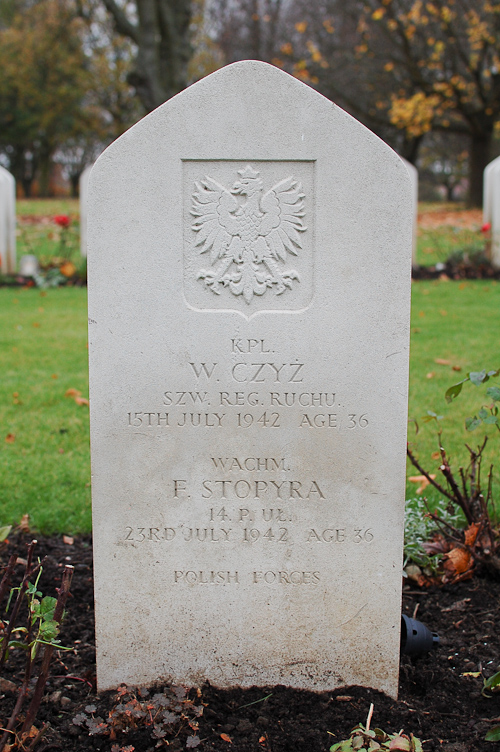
(249, 249)
(248, 235)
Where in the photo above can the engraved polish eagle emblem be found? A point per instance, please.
(248, 239)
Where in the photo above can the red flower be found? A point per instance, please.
(62, 220)
(486, 227)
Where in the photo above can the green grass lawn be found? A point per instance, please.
(44, 446)
(457, 322)
(44, 441)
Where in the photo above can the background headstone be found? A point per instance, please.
(7, 222)
(28, 265)
(249, 287)
(83, 192)
(491, 208)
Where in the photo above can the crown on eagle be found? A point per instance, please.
(248, 173)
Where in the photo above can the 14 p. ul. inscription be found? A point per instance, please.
(248, 233)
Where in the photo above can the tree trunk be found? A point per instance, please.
(163, 47)
(479, 157)
(74, 180)
(44, 176)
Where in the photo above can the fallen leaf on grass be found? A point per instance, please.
(443, 312)
(456, 368)
(226, 738)
(442, 362)
(77, 396)
(424, 482)
(10, 438)
(436, 456)
(430, 375)
(36, 324)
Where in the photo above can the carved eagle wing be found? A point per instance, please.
(215, 224)
(283, 208)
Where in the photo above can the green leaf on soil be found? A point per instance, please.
(493, 735)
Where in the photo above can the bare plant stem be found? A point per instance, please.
(29, 572)
(9, 571)
(62, 597)
(431, 480)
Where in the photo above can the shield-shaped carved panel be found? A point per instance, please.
(248, 235)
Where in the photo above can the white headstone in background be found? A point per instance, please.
(28, 265)
(7, 222)
(83, 192)
(491, 207)
(249, 290)
(414, 181)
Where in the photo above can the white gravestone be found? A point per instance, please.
(491, 208)
(249, 289)
(414, 181)
(7, 222)
(83, 192)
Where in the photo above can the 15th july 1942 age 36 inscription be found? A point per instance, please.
(260, 391)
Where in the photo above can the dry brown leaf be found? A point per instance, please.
(436, 456)
(471, 534)
(68, 539)
(54, 376)
(438, 545)
(458, 561)
(443, 312)
(226, 738)
(36, 324)
(7, 686)
(72, 393)
(421, 314)
(430, 375)
(424, 482)
(81, 401)
(10, 438)
(24, 524)
(442, 362)
(456, 368)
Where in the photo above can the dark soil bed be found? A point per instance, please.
(438, 701)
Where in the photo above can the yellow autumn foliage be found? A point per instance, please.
(415, 114)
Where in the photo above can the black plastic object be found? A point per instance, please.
(416, 638)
